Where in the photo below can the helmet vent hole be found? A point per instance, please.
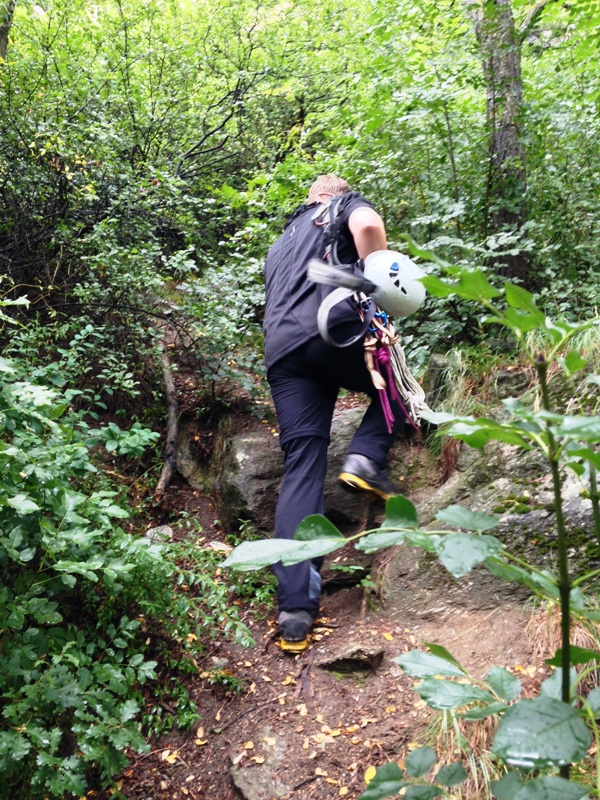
(397, 284)
(403, 290)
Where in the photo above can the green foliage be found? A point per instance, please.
(81, 602)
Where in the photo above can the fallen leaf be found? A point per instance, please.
(288, 680)
(343, 791)
(266, 678)
(356, 740)
(258, 759)
(370, 774)
(200, 742)
(305, 746)
(332, 781)
(301, 709)
(239, 757)
(200, 732)
(390, 709)
(249, 746)
(270, 741)
(189, 778)
(388, 637)
(247, 663)
(321, 772)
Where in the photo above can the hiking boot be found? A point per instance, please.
(361, 474)
(294, 627)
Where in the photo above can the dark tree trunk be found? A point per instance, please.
(7, 10)
(500, 46)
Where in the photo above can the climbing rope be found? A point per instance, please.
(386, 362)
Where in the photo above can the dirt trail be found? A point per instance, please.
(309, 726)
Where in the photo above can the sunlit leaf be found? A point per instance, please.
(387, 781)
(444, 694)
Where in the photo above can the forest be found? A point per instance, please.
(150, 153)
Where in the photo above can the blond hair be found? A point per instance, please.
(329, 185)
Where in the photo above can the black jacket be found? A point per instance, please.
(292, 301)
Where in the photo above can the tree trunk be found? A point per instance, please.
(500, 47)
(7, 10)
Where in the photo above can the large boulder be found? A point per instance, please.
(251, 469)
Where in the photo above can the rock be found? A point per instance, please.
(162, 533)
(261, 781)
(188, 466)
(252, 468)
(353, 657)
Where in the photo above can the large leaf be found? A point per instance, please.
(452, 774)
(444, 694)
(478, 713)
(584, 428)
(23, 504)
(316, 527)
(552, 686)
(380, 540)
(517, 297)
(507, 787)
(461, 517)
(504, 684)
(577, 655)
(418, 664)
(422, 792)
(549, 788)
(540, 733)
(418, 762)
(460, 552)
(440, 651)
(255, 555)
(400, 513)
(387, 781)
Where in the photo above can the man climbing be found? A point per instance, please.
(305, 375)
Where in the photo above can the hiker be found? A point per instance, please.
(305, 375)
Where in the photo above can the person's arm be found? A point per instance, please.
(368, 231)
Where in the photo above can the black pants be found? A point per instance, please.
(305, 386)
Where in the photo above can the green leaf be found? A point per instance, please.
(517, 297)
(380, 540)
(386, 782)
(23, 504)
(478, 713)
(507, 787)
(422, 792)
(552, 686)
(584, 428)
(503, 683)
(550, 788)
(540, 733)
(573, 362)
(400, 513)
(261, 553)
(461, 517)
(444, 694)
(440, 651)
(593, 700)
(438, 288)
(419, 762)
(460, 552)
(452, 774)
(316, 527)
(578, 655)
(418, 664)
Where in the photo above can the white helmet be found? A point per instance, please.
(399, 291)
